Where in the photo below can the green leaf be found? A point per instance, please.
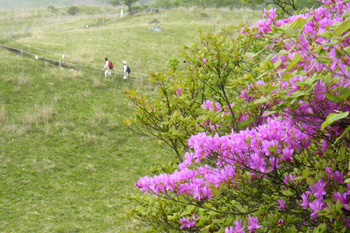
(346, 35)
(299, 23)
(189, 210)
(132, 92)
(331, 43)
(269, 113)
(277, 64)
(271, 89)
(333, 117)
(309, 181)
(345, 26)
(333, 98)
(338, 205)
(306, 173)
(321, 228)
(295, 61)
(262, 100)
(287, 193)
(287, 76)
(298, 178)
(326, 35)
(342, 135)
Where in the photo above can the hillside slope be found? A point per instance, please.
(91, 38)
(66, 156)
(25, 4)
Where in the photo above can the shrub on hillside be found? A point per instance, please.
(52, 8)
(259, 124)
(73, 10)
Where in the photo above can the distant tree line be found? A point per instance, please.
(286, 6)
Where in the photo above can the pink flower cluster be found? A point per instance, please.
(187, 223)
(311, 114)
(239, 228)
(273, 143)
(210, 105)
(261, 150)
(318, 191)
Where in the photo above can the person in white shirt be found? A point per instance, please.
(125, 68)
(108, 70)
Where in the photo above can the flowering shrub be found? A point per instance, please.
(265, 118)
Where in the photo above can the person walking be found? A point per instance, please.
(108, 66)
(125, 68)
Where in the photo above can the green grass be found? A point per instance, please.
(66, 157)
(129, 38)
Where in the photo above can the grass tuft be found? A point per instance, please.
(39, 114)
(2, 114)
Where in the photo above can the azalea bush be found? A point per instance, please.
(261, 122)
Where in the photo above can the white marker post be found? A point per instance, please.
(121, 13)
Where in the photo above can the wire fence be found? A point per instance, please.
(137, 82)
(61, 59)
(77, 61)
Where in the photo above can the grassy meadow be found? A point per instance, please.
(66, 157)
(127, 38)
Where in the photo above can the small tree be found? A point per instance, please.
(128, 3)
(115, 2)
(52, 8)
(73, 10)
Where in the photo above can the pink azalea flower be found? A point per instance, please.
(318, 189)
(186, 223)
(305, 202)
(338, 177)
(229, 230)
(316, 205)
(342, 198)
(253, 224)
(239, 228)
(282, 204)
(208, 105)
(178, 91)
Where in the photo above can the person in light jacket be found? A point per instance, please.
(125, 69)
(108, 70)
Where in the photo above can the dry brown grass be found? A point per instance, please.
(98, 116)
(22, 80)
(56, 98)
(39, 114)
(76, 74)
(16, 128)
(96, 82)
(2, 114)
(85, 93)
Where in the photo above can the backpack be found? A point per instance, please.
(110, 64)
(128, 69)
